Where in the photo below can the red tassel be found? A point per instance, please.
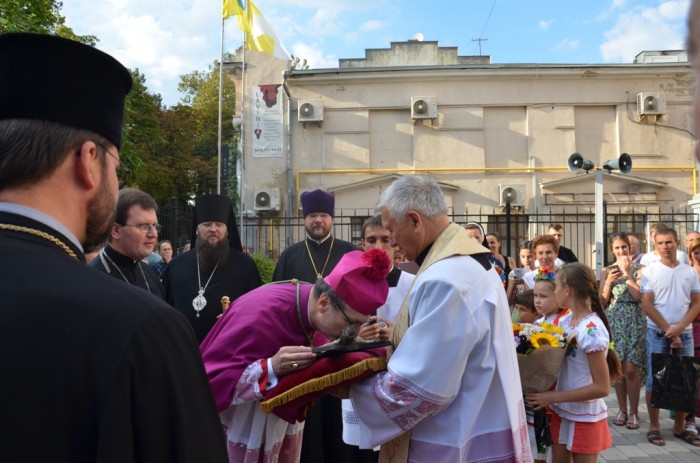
(378, 263)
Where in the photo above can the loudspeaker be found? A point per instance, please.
(623, 164)
(576, 163)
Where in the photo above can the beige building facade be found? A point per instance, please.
(486, 132)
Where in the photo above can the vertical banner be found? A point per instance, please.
(268, 127)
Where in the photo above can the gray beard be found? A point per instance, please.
(211, 254)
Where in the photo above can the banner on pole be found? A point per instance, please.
(268, 127)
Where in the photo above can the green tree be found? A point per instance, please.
(201, 93)
(141, 153)
(39, 16)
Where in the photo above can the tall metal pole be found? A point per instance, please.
(243, 128)
(508, 219)
(221, 109)
(598, 222)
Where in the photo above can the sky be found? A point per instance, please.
(165, 39)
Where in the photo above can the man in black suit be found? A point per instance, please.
(565, 254)
(93, 370)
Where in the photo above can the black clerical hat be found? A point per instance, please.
(61, 80)
(216, 208)
(317, 201)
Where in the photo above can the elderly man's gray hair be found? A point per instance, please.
(412, 192)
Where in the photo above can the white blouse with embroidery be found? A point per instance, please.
(588, 335)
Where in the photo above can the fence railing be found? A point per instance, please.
(270, 235)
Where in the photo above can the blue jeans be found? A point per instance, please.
(657, 343)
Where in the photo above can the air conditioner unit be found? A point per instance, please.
(267, 199)
(515, 194)
(310, 111)
(424, 107)
(651, 103)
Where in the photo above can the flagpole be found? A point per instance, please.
(221, 109)
(243, 128)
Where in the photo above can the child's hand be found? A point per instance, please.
(539, 400)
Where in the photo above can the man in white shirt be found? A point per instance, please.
(671, 299)
(654, 256)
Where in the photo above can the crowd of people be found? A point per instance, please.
(119, 360)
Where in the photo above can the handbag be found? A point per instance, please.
(675, 382)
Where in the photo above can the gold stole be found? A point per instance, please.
(453, 241)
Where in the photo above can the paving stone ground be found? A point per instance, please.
(632, 445)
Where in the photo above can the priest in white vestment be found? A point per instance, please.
(452, 391)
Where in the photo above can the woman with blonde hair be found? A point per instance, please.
(620, 292)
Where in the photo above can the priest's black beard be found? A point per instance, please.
(210, 254)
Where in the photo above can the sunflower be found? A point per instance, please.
(548, 327)
(517, 328)
(543, 339)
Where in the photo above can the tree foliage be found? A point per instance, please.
(201, 93)
(39, 16)
(167, 152)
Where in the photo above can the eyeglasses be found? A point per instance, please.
(351, 323)
(123, 172)
(145, 227)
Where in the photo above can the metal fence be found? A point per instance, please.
(176, 218)
(272, 234)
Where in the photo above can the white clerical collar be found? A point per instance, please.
(39, 216)
(317, 241)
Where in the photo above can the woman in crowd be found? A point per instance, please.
(494, 242)
(619, 292)
(527, 264)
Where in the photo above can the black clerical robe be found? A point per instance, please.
(124, 269)
(295, 261)
(94, 370)
(235, 278)
(323, 432)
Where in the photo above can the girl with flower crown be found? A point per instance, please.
(580, 421)
(550, 311)
(545, 300)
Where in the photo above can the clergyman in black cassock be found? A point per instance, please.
(189, 273)
(133, 235)
(93, 370)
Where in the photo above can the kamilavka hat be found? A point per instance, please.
(317, 201)
(61, 80)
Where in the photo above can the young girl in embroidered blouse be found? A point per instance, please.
(546, 302)
(580, 422)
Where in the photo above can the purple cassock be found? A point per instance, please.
(236, 353)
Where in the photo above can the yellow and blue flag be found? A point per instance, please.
(259, 34)
(237, 8)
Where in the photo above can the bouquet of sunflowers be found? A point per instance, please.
(541, 348)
